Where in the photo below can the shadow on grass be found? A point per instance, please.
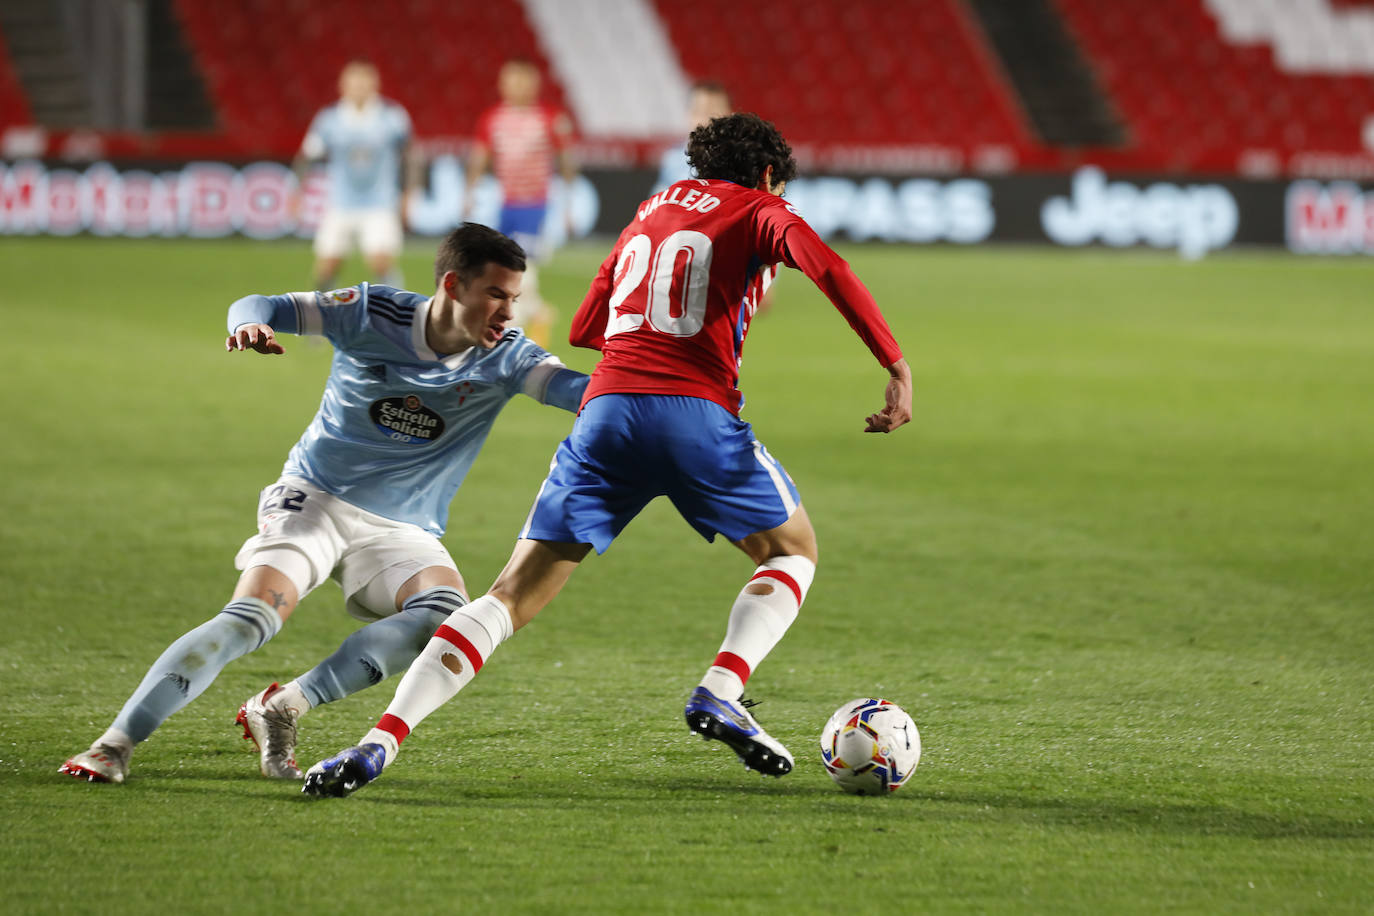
(673, 793)
(669, 795)
(1110, 814)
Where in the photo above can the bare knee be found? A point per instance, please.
(270, 585)
(427, 578)
(793, 538)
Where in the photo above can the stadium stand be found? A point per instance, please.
(14, 107)
(1194, 85)
(271, 64)
(1198, 88)
(852, 72)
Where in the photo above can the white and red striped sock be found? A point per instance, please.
(762, 612)
(454, 655)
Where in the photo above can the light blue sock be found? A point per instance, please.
(191, 663)
(381, 649)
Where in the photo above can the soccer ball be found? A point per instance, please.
(870, 747)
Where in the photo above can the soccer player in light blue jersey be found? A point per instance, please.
(364, 141)
(415, 387)
(707, 99)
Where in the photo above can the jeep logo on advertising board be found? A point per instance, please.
(1329, 219)
(1195, 219)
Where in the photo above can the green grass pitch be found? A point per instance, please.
(1120, 570)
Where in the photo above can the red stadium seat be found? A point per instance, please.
(14, 107)
(271, 64)
(849, 73)
(1181, 85)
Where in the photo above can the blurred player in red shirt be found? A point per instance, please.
(669, 311)
(521, 140)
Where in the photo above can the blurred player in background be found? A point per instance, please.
(364, 141)
(522, 140)
(415, 386)
(707, 99)
(669, 311)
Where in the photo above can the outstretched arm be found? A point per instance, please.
(556, 385)
(804, 250)
(253, 321)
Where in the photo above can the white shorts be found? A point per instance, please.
(369, 556)
(377, 230)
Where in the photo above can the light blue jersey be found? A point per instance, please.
(399, 425)
(362, 149)
(673, 166)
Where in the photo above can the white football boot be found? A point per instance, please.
(102, 763)
(269, 721)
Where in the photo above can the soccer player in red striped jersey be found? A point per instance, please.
(522, 139)
(669, 311)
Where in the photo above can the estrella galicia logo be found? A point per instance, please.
(406, 420)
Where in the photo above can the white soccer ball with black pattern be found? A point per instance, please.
(870, 747)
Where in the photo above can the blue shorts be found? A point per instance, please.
(523, 223)
(625, 449)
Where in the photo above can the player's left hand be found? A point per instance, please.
(897, 411)
(253, 337)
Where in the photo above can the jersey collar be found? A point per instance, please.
(422, 350)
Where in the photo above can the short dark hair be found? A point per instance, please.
(738, 148)
(471, 247)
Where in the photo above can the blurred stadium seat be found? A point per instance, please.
(14, 108)
(828, 71)
(1199, 81)
(1198, 84)
(271, 64)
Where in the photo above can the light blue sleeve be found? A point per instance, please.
(315, 146)
(564, 389)
(550, 382)
(337, 314)
(280, 313)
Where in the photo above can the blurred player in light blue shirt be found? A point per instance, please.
(707, 99)
(416, 384)
(364, 141)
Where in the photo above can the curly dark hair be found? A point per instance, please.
(738, 148)
(471, 247)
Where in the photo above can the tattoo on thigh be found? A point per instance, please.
(278, 599)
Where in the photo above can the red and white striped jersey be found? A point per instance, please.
(524, 141)
(671, 305)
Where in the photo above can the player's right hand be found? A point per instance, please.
(896, 410)
(253, 337)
